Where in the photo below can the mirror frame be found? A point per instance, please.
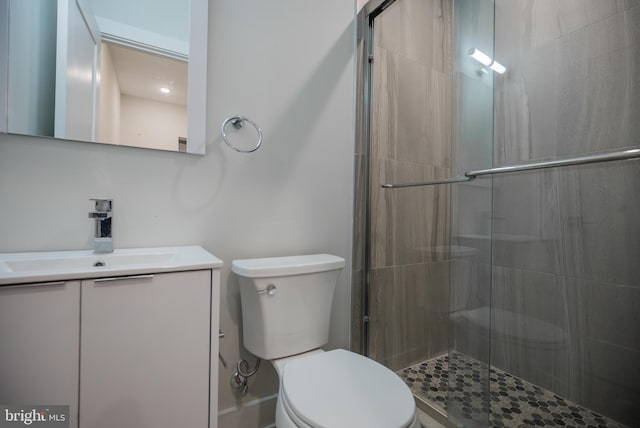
(196, 85)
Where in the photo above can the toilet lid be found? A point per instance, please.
(342, 389)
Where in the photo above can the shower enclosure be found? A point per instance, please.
(511, 299)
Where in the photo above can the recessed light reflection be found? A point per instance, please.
(497, 67)
(165, 90)
(486, 60)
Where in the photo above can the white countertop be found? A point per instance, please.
(21, 268)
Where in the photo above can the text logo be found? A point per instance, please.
(34, 416)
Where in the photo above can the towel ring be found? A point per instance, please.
(238, 122)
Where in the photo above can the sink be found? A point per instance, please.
(44, 263)
(20, 268)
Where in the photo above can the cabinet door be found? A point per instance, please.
(39, 333)
(144, 359)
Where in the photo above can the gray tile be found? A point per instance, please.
(471, 218)
(632, 25)
(577, 356)
(438, 114)
(528, 325)
(534, 299)
(401, 29)
(437, 282)
(525, 107)
(411, 111)
(421, 224)
(612, 380)
(582, 80)
(574, 15)
(512, 120)
(418, 30)
(410, 142)
(470, 285)
(408, 309)
(416, 313)
(526, 226)
(522, 24)
(597, 87)
(383, 298)
(407, 224)
(442, 36)
(626, 4)
(606, 35)
(475, 394)
(603, 372)
(359, 219)
(545, 25)
(473, 119)
(398, 325)
(599, 222)
(383, 105)
(382, 215)
(614, 314)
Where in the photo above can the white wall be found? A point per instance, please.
(108, 126)
(162, 24)
(288, 65)
(149, 123)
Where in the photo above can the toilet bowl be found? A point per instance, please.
(286, 307)
(341, 389)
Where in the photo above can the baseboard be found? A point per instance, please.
(259, 413)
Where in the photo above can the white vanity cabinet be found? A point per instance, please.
(39, 334)
(145, 351)
(132, 344)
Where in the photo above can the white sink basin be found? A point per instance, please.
(44, 262)
(20, 268)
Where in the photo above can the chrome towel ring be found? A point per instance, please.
(238, 122)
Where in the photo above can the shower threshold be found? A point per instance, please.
(513, 402)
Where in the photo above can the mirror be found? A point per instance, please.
(124, 72)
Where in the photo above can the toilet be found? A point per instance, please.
(286, 309)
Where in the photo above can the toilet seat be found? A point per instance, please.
(343, 389)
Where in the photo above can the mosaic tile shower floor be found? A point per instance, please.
(513, 402)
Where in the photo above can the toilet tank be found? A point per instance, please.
(286, 302)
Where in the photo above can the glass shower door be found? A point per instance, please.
(544, 314)
(566, 241)
(469, 353)
(409, 140)
(430, 118)
(508, 300)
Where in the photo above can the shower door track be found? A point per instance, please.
(366, 18)
(581, 160)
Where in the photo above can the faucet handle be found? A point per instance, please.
(103, 205)
(100, 215)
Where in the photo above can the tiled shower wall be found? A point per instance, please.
(566, 242)
(410, 141)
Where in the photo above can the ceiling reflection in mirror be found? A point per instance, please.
(104, 71)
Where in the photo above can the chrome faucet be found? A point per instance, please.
(103, 241)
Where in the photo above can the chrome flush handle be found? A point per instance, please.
(271, 290)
